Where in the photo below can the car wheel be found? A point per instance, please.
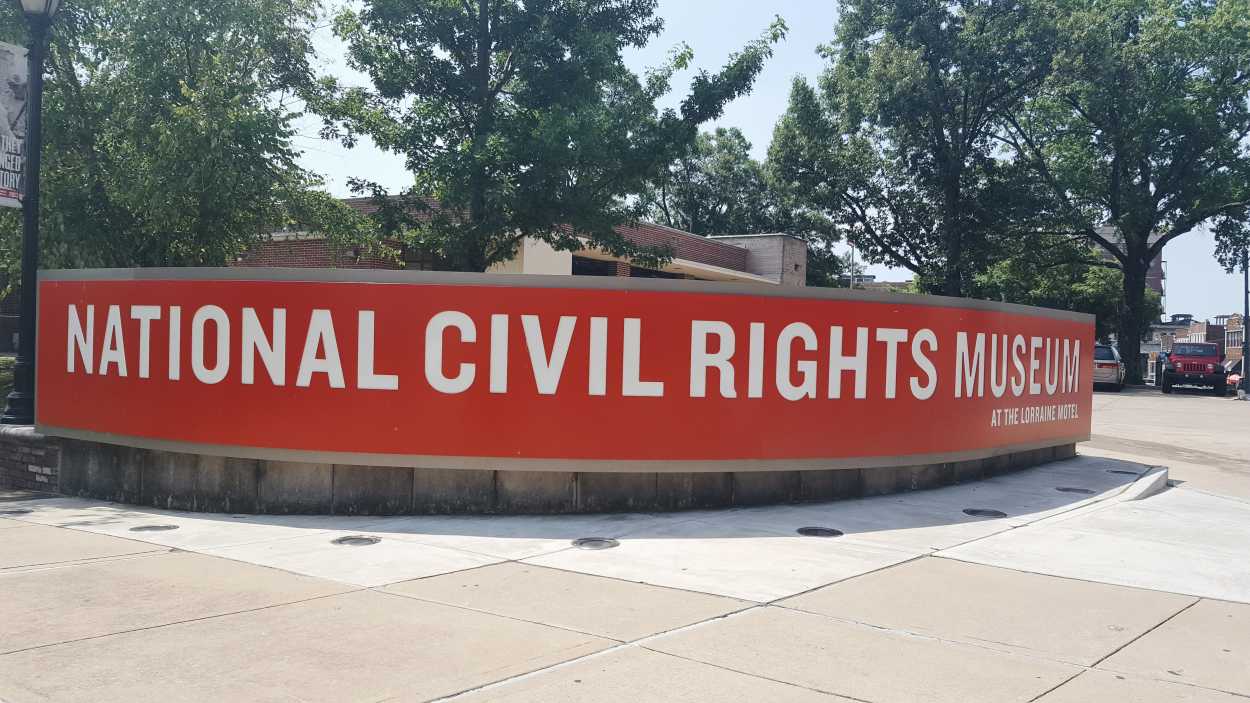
(1167, 385)
(1118, 387)
(1221, 389)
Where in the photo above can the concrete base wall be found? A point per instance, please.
(217, 484)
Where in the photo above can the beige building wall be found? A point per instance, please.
(780, 258)
(537, 256)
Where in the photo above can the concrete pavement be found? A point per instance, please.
(1115, 588)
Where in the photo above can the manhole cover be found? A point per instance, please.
(1071, 489)
(595, 543)
(1123, 472)
(16, 511)
(984, 512)
(819, 532)
(153, 528)
(356, 541)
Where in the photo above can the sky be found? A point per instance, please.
(714, 29)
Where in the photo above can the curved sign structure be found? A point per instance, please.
(535, 372)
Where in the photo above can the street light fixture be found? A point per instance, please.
(20, 409)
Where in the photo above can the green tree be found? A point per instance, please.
(714, 188)
(718, 188)
(894, 144)
(1060, 273)
(168, 130)
(520, 119)
(1140, 132)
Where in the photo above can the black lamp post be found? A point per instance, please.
(21, 402)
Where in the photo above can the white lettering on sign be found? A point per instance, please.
(725, 360)
(439, 324)
(856, 363)
(321, 352)
(702, 360)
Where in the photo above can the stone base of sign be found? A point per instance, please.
(204, 483)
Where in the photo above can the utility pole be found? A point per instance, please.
(1244, 385)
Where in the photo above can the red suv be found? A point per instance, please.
(1195, 364)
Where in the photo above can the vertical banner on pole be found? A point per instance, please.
(14, 96)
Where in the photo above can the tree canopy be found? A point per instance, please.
(894, 143)
(1140, 132)
(716, 187)
(168, 132)
(521, 119)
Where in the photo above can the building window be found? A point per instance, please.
(593, 267)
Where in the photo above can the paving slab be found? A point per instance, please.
(1175, 547)
(103, 597)
(195, 531)
(605, 607)
(513, 536)
(1031, 495)
(885, 521)
(721, 558)
(1072, 621)
(362, 646)
(1179, 517)
(35, 545)
(1095, 685)
(642, 676)
(861, 662)
(1208, 645)
(387, 561)
(930, 520)
(51, 511)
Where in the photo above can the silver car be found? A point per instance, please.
(1108, 367)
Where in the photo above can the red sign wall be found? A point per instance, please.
(463, 367)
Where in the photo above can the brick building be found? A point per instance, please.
(1206, 331)
(772, 259)
(1234, 337)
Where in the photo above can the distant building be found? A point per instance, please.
(768, 259)
(1206, 332)
(858, 280)
(1234, 338)
(1160, 339)
(1166, 332)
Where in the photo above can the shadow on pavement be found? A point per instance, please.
(1021, 497)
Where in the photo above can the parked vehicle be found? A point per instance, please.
(1195, 364)
(1108, 367)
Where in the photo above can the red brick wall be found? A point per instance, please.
(687, 246)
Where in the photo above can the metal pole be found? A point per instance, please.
(1245, 316)
(20, 409)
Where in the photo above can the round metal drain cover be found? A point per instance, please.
(1123, 472)
(1071, 489)
(16, 511)
(153, 528)
(984, 512)
(819, 532)
(595, 543)
(356, 541)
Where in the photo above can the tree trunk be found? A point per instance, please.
(952, 238)
(475, 254)
(1129, 333)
